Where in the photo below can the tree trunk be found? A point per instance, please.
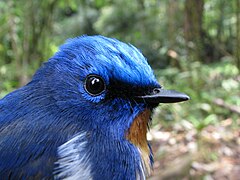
(29, 43)
(172, 9)
(238, 34)
(14, 39)
(172, 28)
(193, 29)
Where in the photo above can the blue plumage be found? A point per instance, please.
(75, 118)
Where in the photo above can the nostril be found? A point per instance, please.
(156, 90)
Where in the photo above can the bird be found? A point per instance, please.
(84, 115)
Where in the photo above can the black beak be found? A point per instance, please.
(159, 95)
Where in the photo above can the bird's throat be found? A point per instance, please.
(137, 135)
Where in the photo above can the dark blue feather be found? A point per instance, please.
(54, 107)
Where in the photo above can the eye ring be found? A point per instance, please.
(94, 85)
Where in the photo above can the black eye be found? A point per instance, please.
(94, 85)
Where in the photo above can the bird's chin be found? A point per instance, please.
(137, 135)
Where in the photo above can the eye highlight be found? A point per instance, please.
(94, 85)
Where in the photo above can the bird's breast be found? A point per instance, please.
(137, 135)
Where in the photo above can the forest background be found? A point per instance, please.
(193, 46)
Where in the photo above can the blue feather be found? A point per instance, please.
(39, 118)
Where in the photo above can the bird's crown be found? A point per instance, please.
(119, 65)
(109, 58)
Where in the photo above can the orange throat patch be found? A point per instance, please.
(137, 135)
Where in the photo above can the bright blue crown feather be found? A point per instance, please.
(107, 57)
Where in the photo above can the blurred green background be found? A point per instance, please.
(193, 46)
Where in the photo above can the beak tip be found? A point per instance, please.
(186, 97)
(180, 98)
(176, 97)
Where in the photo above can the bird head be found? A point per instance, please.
(108, 90)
